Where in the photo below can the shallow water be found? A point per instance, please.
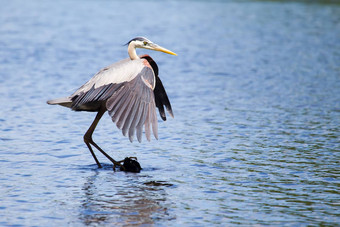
(255, 93)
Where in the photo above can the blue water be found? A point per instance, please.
(255, 92)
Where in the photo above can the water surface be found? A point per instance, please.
(255, 93)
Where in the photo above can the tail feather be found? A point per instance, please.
(65, 101)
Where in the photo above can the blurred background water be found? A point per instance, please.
(255, 93)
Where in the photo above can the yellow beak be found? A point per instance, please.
(162, 49)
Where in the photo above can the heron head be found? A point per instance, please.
(141, 42)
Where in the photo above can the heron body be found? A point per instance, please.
(130, 90)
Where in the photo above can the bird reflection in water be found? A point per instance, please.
(132, 202)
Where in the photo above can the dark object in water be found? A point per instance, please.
(158, 183)
(131, 165)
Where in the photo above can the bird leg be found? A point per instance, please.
(89, 141)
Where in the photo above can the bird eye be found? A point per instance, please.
(145, 43)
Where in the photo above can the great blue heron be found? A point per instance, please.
(129, 90)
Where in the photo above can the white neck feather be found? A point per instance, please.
(132, 51)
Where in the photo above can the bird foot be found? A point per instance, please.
(119, 163)
(129, 164)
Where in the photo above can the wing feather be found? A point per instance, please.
(161, 99)
(139, 127)
(147, 123)
(119, 72)
(139, 108)
(120, 107)
(127, 111)
(130, 116)
(104, 84)
(84, 101)
(133, 106)
(154, 121)
(112, 102)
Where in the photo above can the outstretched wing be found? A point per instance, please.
(104, 84)
(126, 89)
(133, 107)
(131, 90)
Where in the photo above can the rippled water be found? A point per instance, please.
(255, 93)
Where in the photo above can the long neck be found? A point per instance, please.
(132, 51)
